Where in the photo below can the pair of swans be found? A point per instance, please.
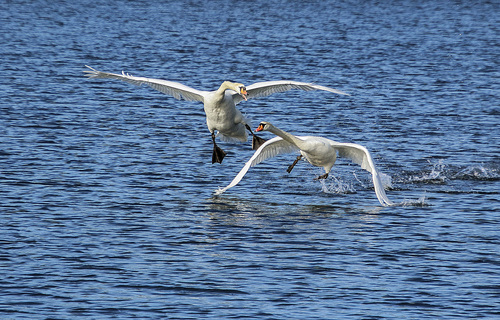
(220, 105)
(318, 151)
(223, 117)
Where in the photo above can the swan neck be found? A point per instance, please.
(287, 136)
(223, 87)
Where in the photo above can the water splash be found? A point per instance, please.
(340, 186)
(442, 173)
(436, 175)
(336, 186)
(386, 180)
(420, 202)
(478, 172)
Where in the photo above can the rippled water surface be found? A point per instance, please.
(106, 189)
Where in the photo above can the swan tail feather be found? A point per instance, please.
(227, 138)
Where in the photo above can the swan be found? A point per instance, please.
(319, 151)
(220, 105)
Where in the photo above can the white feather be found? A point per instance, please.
(175, 89)
(266, 88)
(271, 148)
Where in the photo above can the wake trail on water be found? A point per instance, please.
(441, 173)
(435, 174)
(438, 173)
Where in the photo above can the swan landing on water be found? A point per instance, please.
(319, 151)
(220, 105)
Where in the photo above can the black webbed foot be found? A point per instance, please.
(218, 155)
(256, 140)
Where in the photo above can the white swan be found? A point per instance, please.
(219, 105)
(319, 151)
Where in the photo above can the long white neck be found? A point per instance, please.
(223, 87)
(287, 136)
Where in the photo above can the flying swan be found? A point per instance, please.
(319, 151)
(219, 105)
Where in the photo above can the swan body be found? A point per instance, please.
(319, 151)
(219, 105)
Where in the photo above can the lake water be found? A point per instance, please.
(106, 189)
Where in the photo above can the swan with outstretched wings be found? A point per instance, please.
(318, 151)
(220, 105)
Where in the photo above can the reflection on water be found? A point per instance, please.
(237, 208)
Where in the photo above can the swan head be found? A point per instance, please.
(237, 87)
(242, 90)
(264, 126)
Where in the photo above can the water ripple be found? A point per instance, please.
(106, 189)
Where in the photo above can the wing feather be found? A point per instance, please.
(361, 156)
(175, 89)
(271, 148)
(356, 153)
(263, 89)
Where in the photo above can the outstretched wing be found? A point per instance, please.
(271, 148)
(175, 89)
(263, 89)
(361, 156)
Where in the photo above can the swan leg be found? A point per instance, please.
(256, 140)
(218, 154)
(323, 176)
(290, 167)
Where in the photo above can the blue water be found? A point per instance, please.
(106, 189)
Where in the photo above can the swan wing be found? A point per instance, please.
(263, 89)
(271, 148)
(175, 89)
(361, 156)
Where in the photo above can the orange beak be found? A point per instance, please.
(259, 128)
(243, 93)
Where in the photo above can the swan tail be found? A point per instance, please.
(227, 138)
